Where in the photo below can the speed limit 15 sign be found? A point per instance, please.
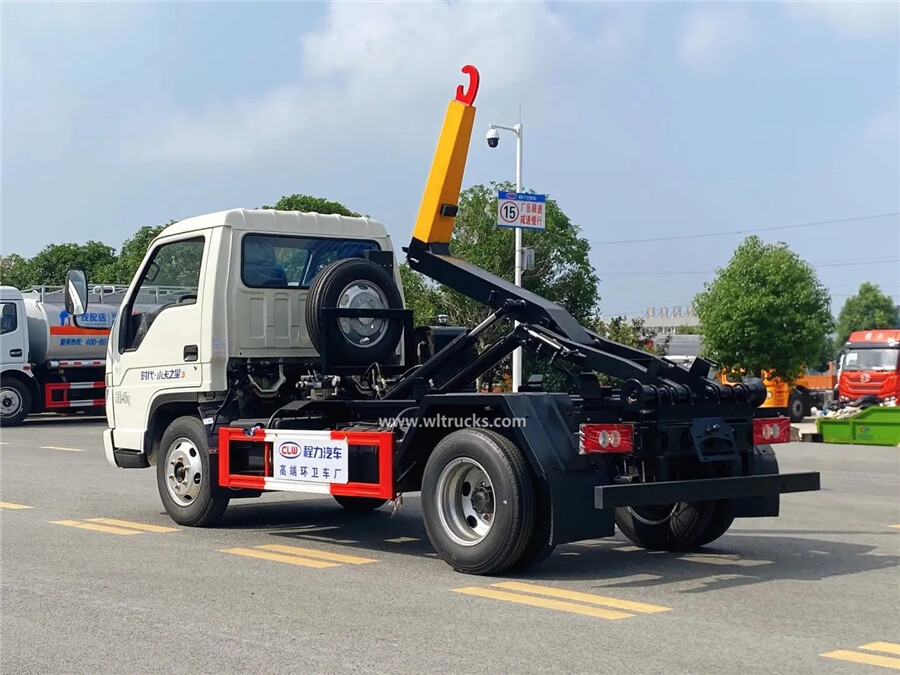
(520, 209)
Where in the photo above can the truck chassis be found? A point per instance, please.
(670, 456)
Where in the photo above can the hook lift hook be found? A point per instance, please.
(467, 96)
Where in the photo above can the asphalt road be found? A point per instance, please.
(367, 594)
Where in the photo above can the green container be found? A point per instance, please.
(877, 425)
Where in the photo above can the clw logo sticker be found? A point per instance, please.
(289, 449)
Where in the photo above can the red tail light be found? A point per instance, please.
(776, 430)
(606, 438)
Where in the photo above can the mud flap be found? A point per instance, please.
(762, 462)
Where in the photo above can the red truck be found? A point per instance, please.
(869, 364)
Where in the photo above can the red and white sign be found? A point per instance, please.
(521, 209)
(310, 456)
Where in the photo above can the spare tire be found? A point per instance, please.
(350, 284)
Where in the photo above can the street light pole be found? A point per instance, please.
(517, 354)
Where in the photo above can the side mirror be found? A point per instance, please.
(76, 292)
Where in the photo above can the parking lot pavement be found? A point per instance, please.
(96, 578)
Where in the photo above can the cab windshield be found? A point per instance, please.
(870, 359)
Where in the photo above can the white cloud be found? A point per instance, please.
(382, 72)
(855, 18)
(883, 128)
(711, 36)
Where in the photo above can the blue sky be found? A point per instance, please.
(643, 120)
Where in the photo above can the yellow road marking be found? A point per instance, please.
(10, 505)
(886, 647)
(292, 559)
(312, 553)
(97, 528)
(868, 659)
(135, 526)
(896, 527)
(583, 597)
(56, 447)
(546, 603)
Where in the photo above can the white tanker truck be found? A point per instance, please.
(48, 363)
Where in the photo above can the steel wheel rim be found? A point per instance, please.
(10, 402)
(184, 472)
(465, 501)
(362, 331)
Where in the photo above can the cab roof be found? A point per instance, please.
(286, 222)
(10, 293)
(875, 335)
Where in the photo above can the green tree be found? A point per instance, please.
(828, 354)
(562, 272)
(123, 268)
(869, 308)
(311, 204)
(14, 271)
(50, 265)
(766, 310)
(422, 297)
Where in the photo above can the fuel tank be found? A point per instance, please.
(53, 334)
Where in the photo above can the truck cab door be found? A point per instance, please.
(155, 348)
(13, 334)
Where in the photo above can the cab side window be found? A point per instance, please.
(171, 277)
(9, 320)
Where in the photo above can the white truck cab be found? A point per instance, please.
(217, 294)
(16, 370)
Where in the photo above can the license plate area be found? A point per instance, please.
(713, 440)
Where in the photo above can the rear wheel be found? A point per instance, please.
(669, 527)
(186, 485)
(719, 523)
(359, 504)
(15, 402)
(796, 406)
(540, 544)
(478, 501)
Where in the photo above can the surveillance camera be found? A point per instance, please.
(493, 138)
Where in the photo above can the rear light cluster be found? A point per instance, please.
(771, 431)
(612, 438)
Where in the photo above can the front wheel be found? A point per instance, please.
(478, 501)
(186, 484)
(15, 402)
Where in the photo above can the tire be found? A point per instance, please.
(359, 504)
(719, 523)
(350, 283)
(671, 527)
(796, 406)
(15, 402)
(540, 544)
(186, 484)
(483, 528)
